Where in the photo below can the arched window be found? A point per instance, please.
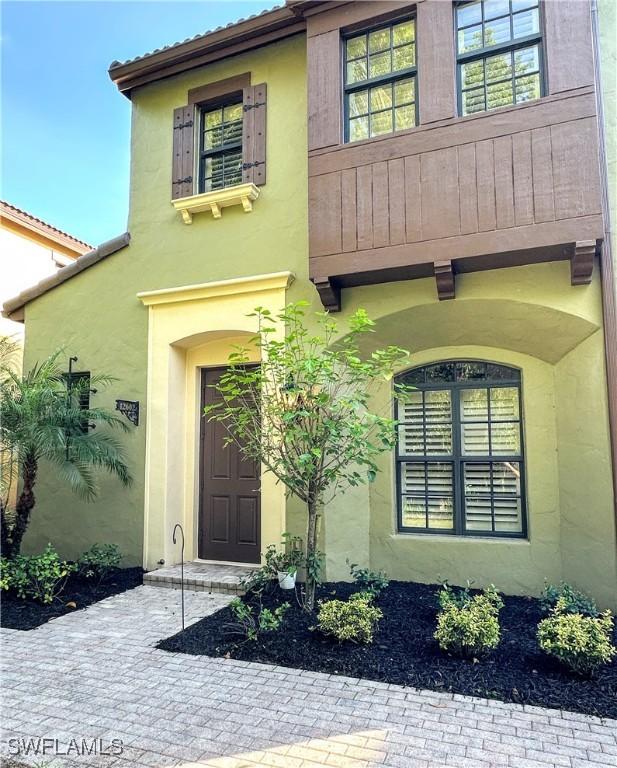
(459, 458)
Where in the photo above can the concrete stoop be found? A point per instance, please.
(200, 577)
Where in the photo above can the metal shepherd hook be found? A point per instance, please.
(177, 525)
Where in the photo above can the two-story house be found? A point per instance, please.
(436, 163)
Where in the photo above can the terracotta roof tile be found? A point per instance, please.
(13, 212)
(201, 36)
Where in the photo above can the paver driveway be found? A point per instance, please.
(95, 674)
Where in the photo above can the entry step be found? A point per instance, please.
(201, 577)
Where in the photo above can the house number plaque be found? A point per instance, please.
(130, 408)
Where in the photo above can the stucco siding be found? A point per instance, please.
(97, 315)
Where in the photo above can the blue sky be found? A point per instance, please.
(65, 127)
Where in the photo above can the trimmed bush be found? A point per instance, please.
(40, 577)
(581, 643)
(354, 620)
(573, 600)
(99, 561)
(468, 625)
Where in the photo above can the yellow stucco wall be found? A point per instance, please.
(530, 318)
(97, 315)
(189, 329)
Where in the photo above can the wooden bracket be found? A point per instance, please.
(581, 262)
(329, 293)
(444, 278)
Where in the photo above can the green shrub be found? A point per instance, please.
(251, 621)
(574, 601)
(6, 573)
(40, 577)
(369, 581)
(582, 643)
(99, 561)
(468, 625)
(354, 620)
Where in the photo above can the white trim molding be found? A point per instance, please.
(239, 194)
(216, 289)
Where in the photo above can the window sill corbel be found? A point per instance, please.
(215, 201)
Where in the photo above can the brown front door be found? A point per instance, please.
(229, 498)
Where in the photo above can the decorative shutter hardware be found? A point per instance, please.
(254, 108)
(182, 153)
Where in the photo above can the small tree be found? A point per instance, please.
(305, 413)
(41, 418)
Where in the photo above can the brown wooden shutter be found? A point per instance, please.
(183, 148)
(254, 134)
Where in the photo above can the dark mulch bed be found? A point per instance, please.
(16, 613)
(405, 652)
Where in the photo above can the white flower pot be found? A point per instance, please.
(287, 580)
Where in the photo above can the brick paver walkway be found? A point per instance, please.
(95, 674)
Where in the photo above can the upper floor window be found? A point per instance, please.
(219, 147)
(380, 80)
(220, 163)
(499, 53)
(459, 457)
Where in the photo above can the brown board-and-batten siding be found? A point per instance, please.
(417, 189)
(511, 186)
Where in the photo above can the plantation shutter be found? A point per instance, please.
(461, 446)
(426, 424)
(183, 149)
(490, 426)
(427, 487)
(254, 134)
(492, 496)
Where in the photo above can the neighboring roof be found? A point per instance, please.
(264, 27)
(14, 308)
(13, 215)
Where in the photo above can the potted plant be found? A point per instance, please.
(287, 578)
(285, 563)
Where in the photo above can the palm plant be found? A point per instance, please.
(42, 418)
(9, 349)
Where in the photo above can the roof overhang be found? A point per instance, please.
(242, 36)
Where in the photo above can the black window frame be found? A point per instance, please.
(485, 52)
(229, 100)
(391, 77)
(457, 459)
